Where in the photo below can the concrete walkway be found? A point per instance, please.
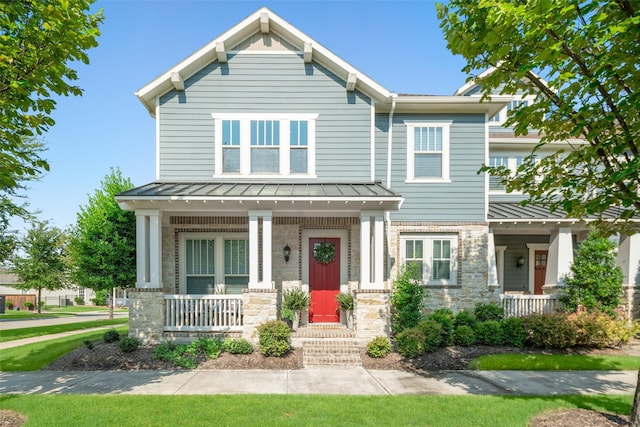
(352, 380)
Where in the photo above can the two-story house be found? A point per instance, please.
(280, 166)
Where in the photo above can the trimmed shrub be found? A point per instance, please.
(410, 342)
(407, 299)
(513, 332)
(465, 318)
(600, 330)
(595, 281)
(464, 336)
(444, 317)
(176, 354)
(237, 346)
(379, 347)
(489, 332)
(273, 337)
(551, 330)
(488, 311)
(129, 344)
(111, 336)
(432, 334)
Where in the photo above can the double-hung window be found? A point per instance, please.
(427, 152)
(213, 263)
(433, 256)
(510, 162)
(265, 145)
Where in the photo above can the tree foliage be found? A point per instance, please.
(41, 264)
(596, 280)
(580, 59)
(39, 39)
(103, 242)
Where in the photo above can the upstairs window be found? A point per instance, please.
(427, 152)
(264, 145)
(511, 162)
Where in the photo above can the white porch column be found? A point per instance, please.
(365, 252)
(560, 256)
(491, 261)
(148, 248)
(254, 250)
(267, 239)
(378, 252)
(629, 259)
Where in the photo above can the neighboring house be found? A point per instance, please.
(279, 165)
(59, 297)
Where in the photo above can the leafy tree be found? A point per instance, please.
(42, 263)
(40, 38)
(580, 59)
(596, 280)
(103, 242)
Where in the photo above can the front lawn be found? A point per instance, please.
(33, 357)
(21, 333)
(296, 410)
(555, 362)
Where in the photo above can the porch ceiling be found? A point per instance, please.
(262, 195)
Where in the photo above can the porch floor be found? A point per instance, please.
(327, 344)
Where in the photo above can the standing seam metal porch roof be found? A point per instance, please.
(259, 190)
(514, 211)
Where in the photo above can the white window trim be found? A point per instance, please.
(445, 152)
(512, 164)
(427, 248)
(502, 114)
(245, 143)
(219, 239)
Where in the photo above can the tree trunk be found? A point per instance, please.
(38, 301)
(111, 301)
(635, 409)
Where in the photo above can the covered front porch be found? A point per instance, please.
(211, 257)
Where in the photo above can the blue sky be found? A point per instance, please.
(397, 43)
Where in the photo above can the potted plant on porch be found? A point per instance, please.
(345, 301)
(295, 300)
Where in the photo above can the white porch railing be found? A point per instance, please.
(523, 305)
(203, 313)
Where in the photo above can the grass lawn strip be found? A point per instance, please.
(18, 334)
(555, 362)
(298, 410)
(33, 357)
(26, 315)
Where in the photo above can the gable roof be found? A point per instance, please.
(265, 21)
(473, 82)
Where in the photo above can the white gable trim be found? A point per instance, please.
(258, 21)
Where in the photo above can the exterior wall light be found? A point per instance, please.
(287, 253)
(520, 261)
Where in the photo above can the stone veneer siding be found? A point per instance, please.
(472, 275)
(146, 315)
(258, 306)
(372, 314)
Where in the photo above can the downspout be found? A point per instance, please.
(387, 214)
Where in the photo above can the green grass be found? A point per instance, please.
(555, 362)
(33, 357)
(297, 410)
(17, 334)
(83, 309)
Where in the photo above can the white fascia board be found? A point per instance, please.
(450, 104)
(238, 33)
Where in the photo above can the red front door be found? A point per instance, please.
(540, 271)
(324, 283)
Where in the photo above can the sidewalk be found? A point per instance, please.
(352, 380)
